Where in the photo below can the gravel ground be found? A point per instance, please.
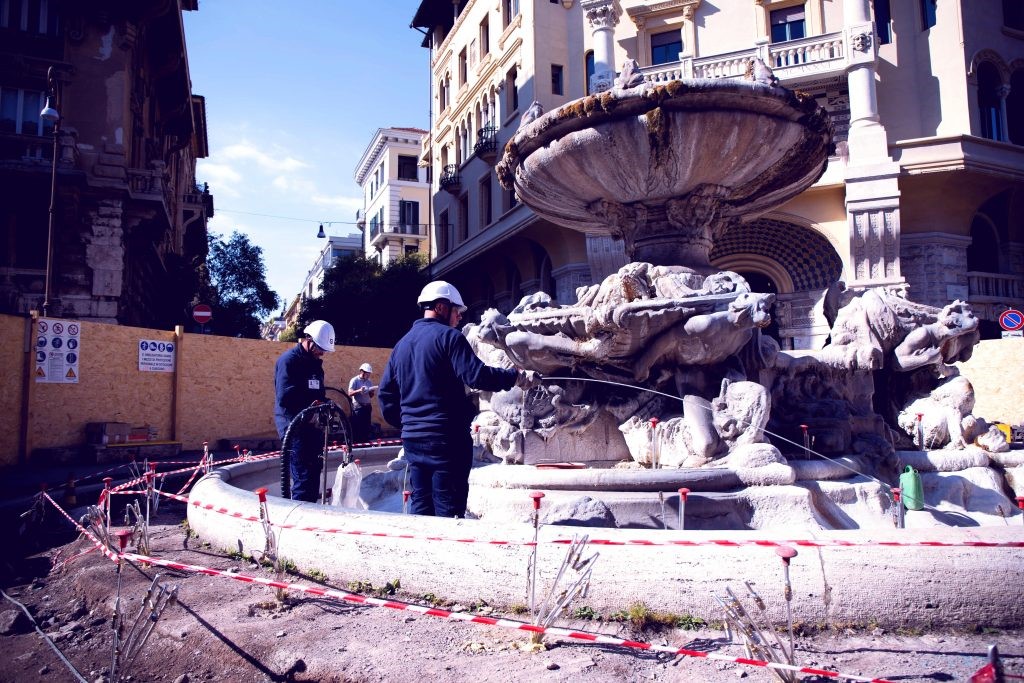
(224, 630)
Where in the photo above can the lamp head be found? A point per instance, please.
(49, 114)
(321, 234)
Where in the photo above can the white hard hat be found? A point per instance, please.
(439, 289)
(366, 367)
(322, 334)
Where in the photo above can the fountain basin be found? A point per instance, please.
(965, 585)
(667, 168)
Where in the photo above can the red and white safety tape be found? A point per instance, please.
(636, 543)
(490, 621)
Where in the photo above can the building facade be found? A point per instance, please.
(129, 222)
(395, 218)
(926, 188)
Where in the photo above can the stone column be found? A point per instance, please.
(872, 188)
(867, 139)
(1002, 92)
(601, 17)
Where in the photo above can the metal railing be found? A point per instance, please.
(486, 142)
(450, 179)
(411, 229)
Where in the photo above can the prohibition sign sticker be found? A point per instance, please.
(1011, 320)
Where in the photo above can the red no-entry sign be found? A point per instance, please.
(202, 313)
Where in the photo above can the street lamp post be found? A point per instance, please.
(50, 113)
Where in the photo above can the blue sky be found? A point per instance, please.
(294, 94)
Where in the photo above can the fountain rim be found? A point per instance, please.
(679, 95)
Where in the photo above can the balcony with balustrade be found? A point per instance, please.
(380, 233)
(995, 288)
(793, 61)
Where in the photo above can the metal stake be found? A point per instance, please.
(536, 496)
(787, 553)
(683, 493)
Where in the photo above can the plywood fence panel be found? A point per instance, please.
(13, 340)
(110, 388)
(226, 389)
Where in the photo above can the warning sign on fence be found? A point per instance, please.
(57, 351)
(156, 355)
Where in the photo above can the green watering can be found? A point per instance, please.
(913, 491)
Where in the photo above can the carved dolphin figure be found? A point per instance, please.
(532, 114)
(760, 72)
(630, 76)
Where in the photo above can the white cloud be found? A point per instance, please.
(222, 178)
(247, 151)
(353, 203)
(294, 184)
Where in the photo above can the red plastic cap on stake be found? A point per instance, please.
(106, 482)
(405, 495)
(896, 493)
(262, 493)
(683, 493)
(152, 466)
(654, 423)
(122, 538)
(1020, 502)
(536, 495)
(920, 416)
(804, 427)
(356, 461)
(237, 447)
(786, 553)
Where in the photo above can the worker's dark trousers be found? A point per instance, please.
(439, 475)
(361, 422)
(306, 448)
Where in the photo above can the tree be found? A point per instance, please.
(369, 305)
(237, 289)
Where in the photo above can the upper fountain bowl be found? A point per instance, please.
(669, 167)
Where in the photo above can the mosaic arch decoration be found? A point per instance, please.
(806, 255)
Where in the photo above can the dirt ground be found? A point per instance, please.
(225, 630)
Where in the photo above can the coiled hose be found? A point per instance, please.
(328, 409)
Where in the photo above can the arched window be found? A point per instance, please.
(983, 252)
(589, 68)
(988, 101)
(1015, 107)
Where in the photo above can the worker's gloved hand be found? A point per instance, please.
(527, 379)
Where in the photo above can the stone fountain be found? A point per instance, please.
(768, 440)
(661, 378)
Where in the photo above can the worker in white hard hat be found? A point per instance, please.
(298, 381)
(361, 390)
(422, 391)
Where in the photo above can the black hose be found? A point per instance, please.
(286, 458)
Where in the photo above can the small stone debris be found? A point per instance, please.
(183, 678)
(458, 608)
(280, 634)
(550, 666)
(12, 621)
(410, 619)
(741, 674)
(43, 670)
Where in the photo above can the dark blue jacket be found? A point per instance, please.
(298, 381)
(423, 390)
